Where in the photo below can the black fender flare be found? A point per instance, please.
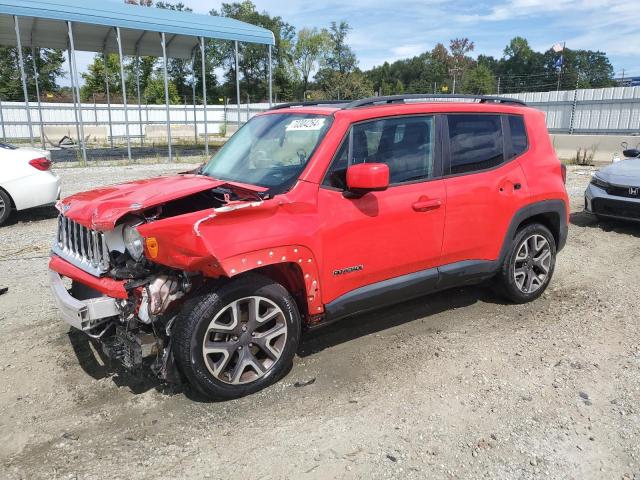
(555, 207)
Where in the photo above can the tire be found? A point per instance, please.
(523, 278)
(5, 206)
(237, 341)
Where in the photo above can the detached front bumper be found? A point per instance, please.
(84, 314)
(81, 314)
(598, 202)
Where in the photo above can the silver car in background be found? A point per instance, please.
(614, 191)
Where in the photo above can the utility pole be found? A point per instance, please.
(498, 85)
(454, 72)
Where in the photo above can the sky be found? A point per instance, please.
(390, 30)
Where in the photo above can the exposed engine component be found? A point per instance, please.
(158, 295)
(131, 348)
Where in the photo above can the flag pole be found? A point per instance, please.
(564, 44)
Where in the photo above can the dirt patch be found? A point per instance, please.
(455, 385)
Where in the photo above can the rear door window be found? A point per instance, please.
(476, 142)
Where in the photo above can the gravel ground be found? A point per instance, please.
(455, 385)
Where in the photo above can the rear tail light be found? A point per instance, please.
(563, 167)
(41, 163)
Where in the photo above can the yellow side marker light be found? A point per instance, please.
(152, 246)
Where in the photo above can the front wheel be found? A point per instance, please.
(238, 339)
(529, 265)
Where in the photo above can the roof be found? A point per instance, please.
(42, 24)
(377, 107)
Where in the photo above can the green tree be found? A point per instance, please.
(345, 86)
(48, 62)
(479, 81)
(591, 69)
(339, 76)
(154, 93)
(339, 55)
(146, 67)
(521, 68)
(253, 57)
(310, 47)
(178, 69)
(94, 77)
(399, 88)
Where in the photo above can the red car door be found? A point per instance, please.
(383, 235)
(483, 190)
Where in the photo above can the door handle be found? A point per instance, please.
(426, 205)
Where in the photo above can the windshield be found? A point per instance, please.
(270, 150)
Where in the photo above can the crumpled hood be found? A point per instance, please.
(101, 208)
(624, 172)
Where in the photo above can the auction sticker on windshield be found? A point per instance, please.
(306, 124)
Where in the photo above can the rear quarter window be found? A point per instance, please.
(519, 141)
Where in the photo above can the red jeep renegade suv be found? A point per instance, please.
(309, 213)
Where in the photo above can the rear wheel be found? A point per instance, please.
(238, 339)
(529, 265)
(5, 207)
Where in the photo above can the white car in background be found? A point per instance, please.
(26, 179)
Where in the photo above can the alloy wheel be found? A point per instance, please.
(532, 263)
(2, 207)
(244, 340)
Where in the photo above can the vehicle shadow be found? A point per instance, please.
(32, 215)
(350, 328)
(97, 365)
(584, 219)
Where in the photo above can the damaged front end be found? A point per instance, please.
(106, 284)
(136, 330)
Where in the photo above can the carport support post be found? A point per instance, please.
(166, 90)
(204, 96)
(237, 83)
(106, 84)
(124, 92)
(73, 93)
(36, 75)
(138, 92)
(270, 80)
(23, 76)
(193, 92)
(75, 81)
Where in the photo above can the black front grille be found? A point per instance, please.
(619, 191)
(616, 208)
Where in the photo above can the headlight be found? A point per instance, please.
(599, 183)
(133, 242)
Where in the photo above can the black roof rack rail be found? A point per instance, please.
(390, 99)
(317, 103)
(366, 102)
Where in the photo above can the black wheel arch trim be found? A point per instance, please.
(555, 207)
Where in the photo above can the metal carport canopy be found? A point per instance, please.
(43, 24)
